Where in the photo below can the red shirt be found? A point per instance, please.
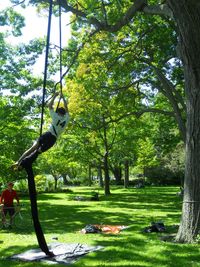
(8, 196)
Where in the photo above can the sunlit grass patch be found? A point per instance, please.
(62, 217)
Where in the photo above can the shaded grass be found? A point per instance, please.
(63, 218)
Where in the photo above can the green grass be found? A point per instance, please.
(62, 217)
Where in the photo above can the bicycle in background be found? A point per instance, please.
(20, 219)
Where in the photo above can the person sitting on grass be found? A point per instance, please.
(60, 119)
(6, 201)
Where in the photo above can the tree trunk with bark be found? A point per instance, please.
(55, 182)
(89, 175)
(187, 17)
(126, 173)
(117, 171)
(107, 177)
(65, 182)
(100, 176)
(105, 160)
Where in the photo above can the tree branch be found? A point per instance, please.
(138, 5)
(140, 113)
(161, 10)
(74, 59)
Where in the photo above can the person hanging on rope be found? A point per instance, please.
(60, 119)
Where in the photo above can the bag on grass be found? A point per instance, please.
(155, 227)
(91, 229)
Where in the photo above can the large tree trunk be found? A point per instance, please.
(187, 16)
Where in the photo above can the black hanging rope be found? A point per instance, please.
(46, 64)
(60, 45)
(27, 162)
(34, 210)
(60, 60)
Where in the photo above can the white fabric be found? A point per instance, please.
(59, 123)
(64, 253)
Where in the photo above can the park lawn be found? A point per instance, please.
(63, 217)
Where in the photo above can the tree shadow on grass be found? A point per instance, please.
(72, 216)
(138, 251)
(77, 214)
(143, 199)
(72, 219)
(133, 208)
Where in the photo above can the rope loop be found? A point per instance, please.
(46, 63)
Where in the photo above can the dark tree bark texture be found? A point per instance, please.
(126, 174)
(100, 176)
(187, 17)
(107, 177)
(117, 171)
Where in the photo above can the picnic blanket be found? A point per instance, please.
(103, 228)
(64, 253)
